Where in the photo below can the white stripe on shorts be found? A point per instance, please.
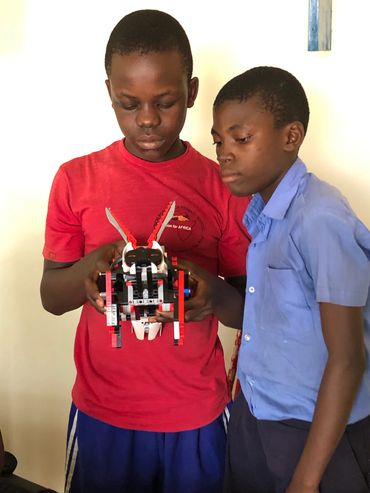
(226, 418)
(71, 454)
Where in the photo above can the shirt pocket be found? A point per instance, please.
(285, 305)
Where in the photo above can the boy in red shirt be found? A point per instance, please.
(148, 417)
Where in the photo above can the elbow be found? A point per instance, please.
(51, 307)
(48, 302)
(362, 362)
(356, 366)
(359, 363)
(350, 366)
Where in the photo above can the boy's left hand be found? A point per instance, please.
(199, 306)
(211, 295)
(202, 284)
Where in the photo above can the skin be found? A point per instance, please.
(254, 156)
(150, 96)
(212, 296)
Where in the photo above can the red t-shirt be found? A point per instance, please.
(148, 385)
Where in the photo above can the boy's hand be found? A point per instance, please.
(101, 260)
(66, 286)
(210, 295)
(199, 306)
(202, 285)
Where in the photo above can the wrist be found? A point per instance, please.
(305, 481)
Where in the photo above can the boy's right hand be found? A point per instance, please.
(102, 259)
(66, 286)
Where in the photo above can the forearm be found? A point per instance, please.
(63, 289)
(213, 295)
(337, 392)
(228, 305)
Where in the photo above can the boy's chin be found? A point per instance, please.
(237, 191)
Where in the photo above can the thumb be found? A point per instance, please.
(195, 272)
(118, 248)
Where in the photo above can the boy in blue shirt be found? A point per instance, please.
(301, 423)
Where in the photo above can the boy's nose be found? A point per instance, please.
(147, 117)
(224, 159)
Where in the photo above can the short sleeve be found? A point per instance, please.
(335, 248)
(64, 239)
(235, 239)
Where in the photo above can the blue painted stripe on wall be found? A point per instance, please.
(319, 25)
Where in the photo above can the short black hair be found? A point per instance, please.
(279, 91)
(148, 31)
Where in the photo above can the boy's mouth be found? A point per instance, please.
(150, 143)
(229, 177)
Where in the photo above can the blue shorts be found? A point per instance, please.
(106, 459)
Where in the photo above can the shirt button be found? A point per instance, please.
(251, 289)
(247, 337)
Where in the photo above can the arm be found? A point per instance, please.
(343, 333)
(66, 286)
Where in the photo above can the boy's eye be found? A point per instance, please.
(129, 107)
(216, 142)
(126, 106)
(165, 104)
(243, 140)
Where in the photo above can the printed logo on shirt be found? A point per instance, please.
(184, 231)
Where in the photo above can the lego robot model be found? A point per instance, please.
(142, 280)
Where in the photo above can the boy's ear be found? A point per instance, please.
(294, 136)
(192, 91)
(107, 83)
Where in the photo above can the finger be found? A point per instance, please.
(93, 295)
(196, 303)
(192, 268)
(164, 316)
(189, 267)
(104, 265)
(185, 264)
(98, 304)
(118, 248)
(196, 315)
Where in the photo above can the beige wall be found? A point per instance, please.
(54, 106)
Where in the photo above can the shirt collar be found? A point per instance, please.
(276, 208)
(282, 197)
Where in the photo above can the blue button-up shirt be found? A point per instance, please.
(307, 247)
